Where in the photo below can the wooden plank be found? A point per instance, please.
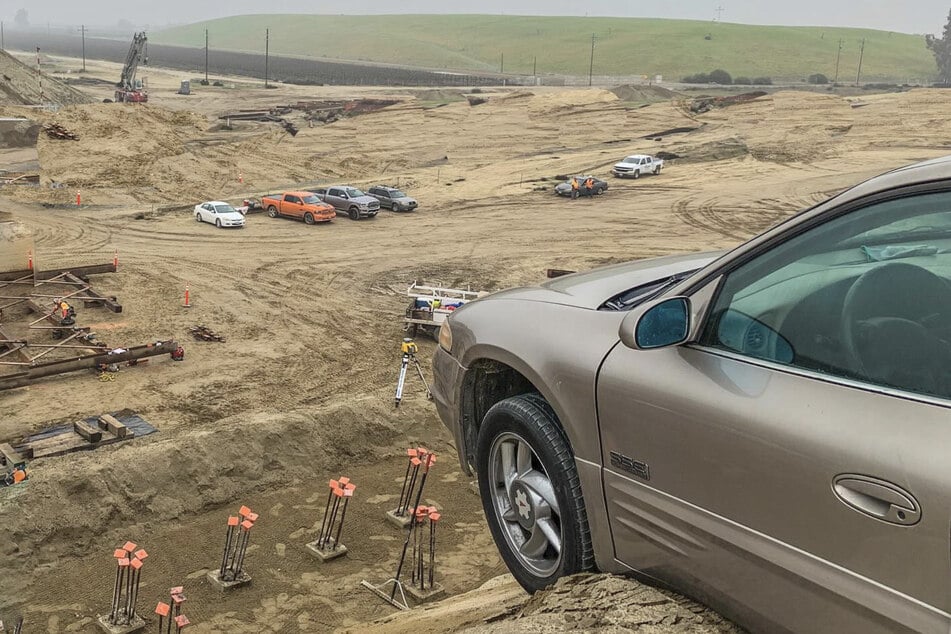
(79, 271)
(109, 302)
(87, 431)
(110, 423)
(10, 455)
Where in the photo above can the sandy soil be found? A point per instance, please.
(302, 389)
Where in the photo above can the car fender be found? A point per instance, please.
(566, 375)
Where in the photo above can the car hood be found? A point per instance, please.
(236, 215)
(405, 199)
(363, 200)
(592, 288)
(623, 164)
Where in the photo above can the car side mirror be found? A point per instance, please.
(658, 324)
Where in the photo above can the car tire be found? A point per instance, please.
(521, 443)
(272, 211)
(308, 218)
(395, 207)
(598, 190)
(637, 174)
(198, 217)
(218, 223)
(354, 213)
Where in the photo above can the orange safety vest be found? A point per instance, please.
(574, 183)
(589, 183)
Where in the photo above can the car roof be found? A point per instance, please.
(299, 193)
(636, 156)
(386, 187)
(216, 202)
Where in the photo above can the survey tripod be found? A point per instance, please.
(409, 350)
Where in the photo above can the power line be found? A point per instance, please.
(206, 57)
(83, 29)
(861, 57)
(838, 56)
(591, 65)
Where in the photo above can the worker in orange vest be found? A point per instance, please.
(68, 313)
(588, 186)
(574, 187)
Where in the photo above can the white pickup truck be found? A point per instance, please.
(636, 165)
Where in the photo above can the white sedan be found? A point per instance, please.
(220, 213)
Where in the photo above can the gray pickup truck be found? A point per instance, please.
(349, 200)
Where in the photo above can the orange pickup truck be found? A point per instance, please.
(303, 205)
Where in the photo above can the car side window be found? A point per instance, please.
(864, 296)
(334, 192)
(293, 199)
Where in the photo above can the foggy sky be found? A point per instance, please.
(916, 16)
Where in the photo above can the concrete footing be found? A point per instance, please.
(242, 580)
(429, 594)
(137, 624)
(329, 553)
(400, 521)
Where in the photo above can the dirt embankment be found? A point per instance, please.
(22, 85)
(605, 604)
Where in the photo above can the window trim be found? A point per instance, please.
(694, 284)
(824, 378)
(718, 277)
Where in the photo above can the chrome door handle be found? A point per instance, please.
(877, 498)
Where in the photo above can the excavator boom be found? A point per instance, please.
(127, 89)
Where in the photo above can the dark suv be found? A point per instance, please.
(392, 198)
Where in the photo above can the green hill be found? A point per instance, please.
(562, 45)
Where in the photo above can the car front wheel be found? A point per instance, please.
(198, 217)
(531, 493)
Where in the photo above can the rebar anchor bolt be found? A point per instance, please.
(122, 617)
(401, 516)
(230, 573)
(328, 546)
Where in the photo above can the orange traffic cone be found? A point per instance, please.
(187, 304)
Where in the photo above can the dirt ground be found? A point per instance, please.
(302, 390)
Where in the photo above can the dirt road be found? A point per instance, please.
(302, 389)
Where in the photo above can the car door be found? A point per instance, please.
(789, 463)
(293, 207)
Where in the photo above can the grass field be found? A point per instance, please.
(562, 45)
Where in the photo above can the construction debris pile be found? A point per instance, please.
(706, 104)
(56, 131)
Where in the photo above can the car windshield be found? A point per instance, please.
(354, 192)
(632, 159)
(311, 200)
(224, 209)
(396, 194)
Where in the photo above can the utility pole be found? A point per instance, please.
(861, 56)
(838, 56)
(267, 48)
(206, 57)
(82, 30)
(591, 65)
(719, 13)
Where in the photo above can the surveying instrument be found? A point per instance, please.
(409, 349)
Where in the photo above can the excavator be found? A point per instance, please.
(128, 89)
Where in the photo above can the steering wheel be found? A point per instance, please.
(889, 320)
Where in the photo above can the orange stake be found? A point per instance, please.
(79, 199)
(187, 304)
